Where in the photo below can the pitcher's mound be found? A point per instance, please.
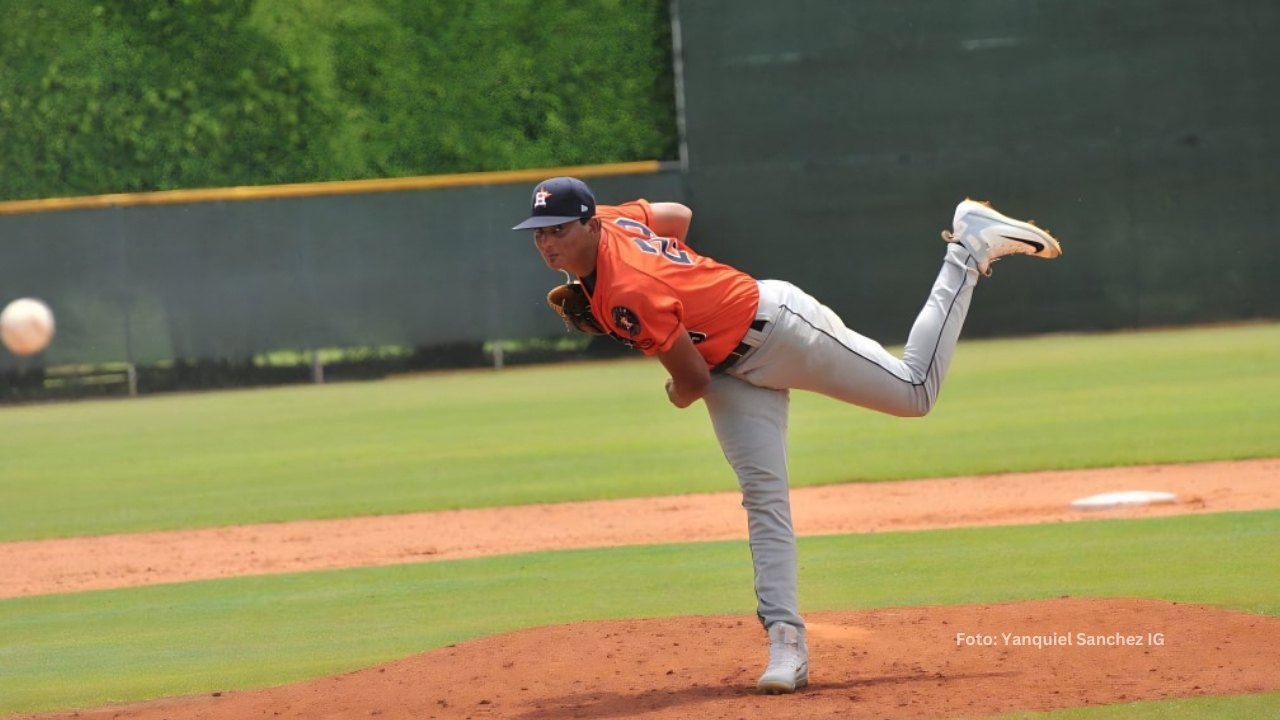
(919, 662)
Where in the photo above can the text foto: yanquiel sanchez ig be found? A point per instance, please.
(1053, 640)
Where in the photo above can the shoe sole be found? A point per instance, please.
(1052, 248)
(777, 687)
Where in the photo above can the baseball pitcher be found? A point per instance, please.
(740, 344)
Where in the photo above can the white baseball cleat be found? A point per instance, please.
(788, 667)
(989, 235)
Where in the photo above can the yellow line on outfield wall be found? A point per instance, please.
(343, 187)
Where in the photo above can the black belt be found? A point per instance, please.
(741, 351)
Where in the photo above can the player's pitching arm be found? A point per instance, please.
(689, 373)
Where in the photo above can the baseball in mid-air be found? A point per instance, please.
(26, 326)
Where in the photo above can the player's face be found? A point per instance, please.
(569, 246)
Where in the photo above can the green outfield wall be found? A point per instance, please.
(229, 274)
(825, 143)
(829, 142)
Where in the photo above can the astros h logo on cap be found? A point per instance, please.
(540, 198)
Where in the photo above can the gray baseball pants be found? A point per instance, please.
(806, 346)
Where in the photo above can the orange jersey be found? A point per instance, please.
(647, 286)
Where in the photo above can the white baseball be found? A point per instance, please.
(26, 326)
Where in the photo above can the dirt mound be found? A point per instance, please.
(919, 662)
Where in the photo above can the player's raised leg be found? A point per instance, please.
(809, 347)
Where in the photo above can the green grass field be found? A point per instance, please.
(584, 431)
(604, 430)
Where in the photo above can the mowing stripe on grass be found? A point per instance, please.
(476, 439)
(1240, 707)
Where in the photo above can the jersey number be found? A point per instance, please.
(654, 245)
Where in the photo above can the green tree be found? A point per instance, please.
(102, 96)
(127, 96)
(518, 83)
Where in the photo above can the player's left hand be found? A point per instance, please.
(573, 306)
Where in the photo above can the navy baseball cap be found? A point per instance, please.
(558, 201)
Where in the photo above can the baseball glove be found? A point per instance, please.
(571, 303)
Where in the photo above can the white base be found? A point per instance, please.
(1128, 498)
